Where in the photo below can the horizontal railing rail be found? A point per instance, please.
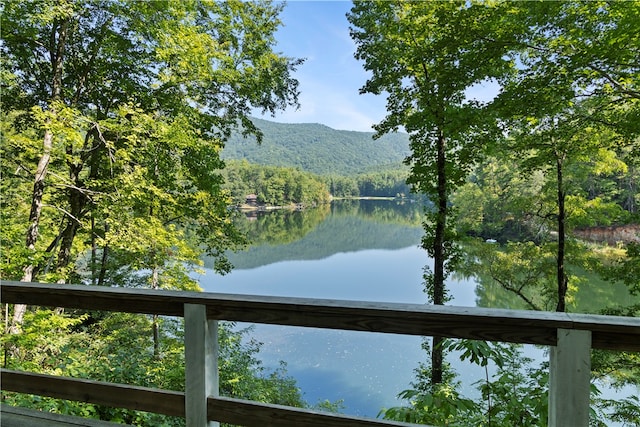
(165, 402)
(515, 326)
(172, 403)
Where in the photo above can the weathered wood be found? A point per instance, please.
(236, 411)
(608, 332)
(255, 414)
(212, 355)
(123, 300)
(12, 416)
(569, 379)
(568, 331)
(527, 327)
(201, 343)
(97, 392)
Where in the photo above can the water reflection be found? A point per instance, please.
(365, 251)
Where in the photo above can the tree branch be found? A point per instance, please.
(614, 82)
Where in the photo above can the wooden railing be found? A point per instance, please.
(571, 336)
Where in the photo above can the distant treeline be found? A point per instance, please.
(387, 182)
(280, 186)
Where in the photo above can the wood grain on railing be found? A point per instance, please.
(517, 326)
(255, 414)
(97, 392)
(223, 409)
(590, 331)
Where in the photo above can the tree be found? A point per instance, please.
(119, 110)
(114, 115)
(274, 185)
(575, 95)
(425, 56)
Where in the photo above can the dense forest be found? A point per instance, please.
(273, 185)
(317, 148)
(127, 135)
(285, 186)
(114, 115)
(293, 159)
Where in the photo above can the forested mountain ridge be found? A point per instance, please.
(317, 148)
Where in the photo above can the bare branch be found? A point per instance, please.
(67, 213)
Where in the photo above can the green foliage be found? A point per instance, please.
(281, 186)
(522, 268)
(519, 210)
(244, 377)
(274, 186)
(625, 267)
(425, 56)
(114, 117)
(568, 111)
(573, 50)
(328, 406)
(383, 182)
(117, 347)
(391, 183)
(350, 163)
(625, 411)
(441, 407)
(43, 340)
(618, 369)
(127, 108)
(513, 393)
(317, 148)
(341, 186)
(564, 106)
(499, 202)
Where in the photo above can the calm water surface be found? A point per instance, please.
(385, 264)
(354, 252)
(367, 370)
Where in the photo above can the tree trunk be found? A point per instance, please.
(36, 200)
(439, 256)
(94, 252)
(103, 261)
(34, 222)
(77, 202)
(561, 274)
(632, 189)
(56, 52)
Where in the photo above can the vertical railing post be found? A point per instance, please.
(569, 379)
(201, 364)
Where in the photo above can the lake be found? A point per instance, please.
(352, 250)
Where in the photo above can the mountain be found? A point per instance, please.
(318, 148)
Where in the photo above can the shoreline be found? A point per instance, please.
(299, 206)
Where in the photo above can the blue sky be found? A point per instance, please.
(331, 77)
